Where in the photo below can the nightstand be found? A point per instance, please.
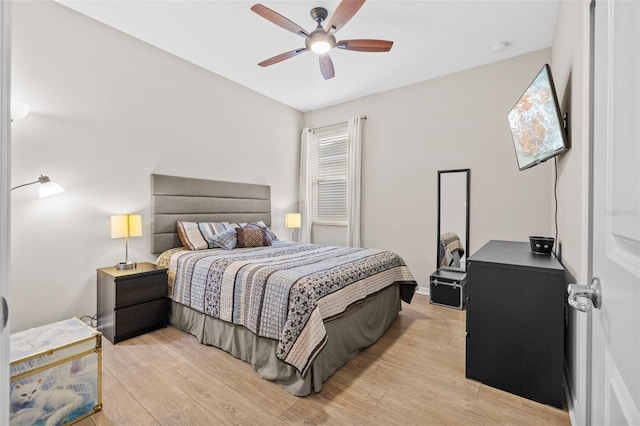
(132, 301)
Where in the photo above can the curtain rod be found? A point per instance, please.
(363, 117)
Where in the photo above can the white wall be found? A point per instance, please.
(570, 68)
(106, 111)
(456, 121)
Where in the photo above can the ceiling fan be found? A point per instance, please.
(322, 40)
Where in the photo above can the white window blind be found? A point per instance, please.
(329, 171)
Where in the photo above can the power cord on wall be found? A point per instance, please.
(555, 196)
(91, 320)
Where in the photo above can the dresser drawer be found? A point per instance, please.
(139, 319)
(140, 289)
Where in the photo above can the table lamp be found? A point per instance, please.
(125, 226)
(292, 220)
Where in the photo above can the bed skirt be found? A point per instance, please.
(359, 327)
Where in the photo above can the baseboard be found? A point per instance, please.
(423, 291)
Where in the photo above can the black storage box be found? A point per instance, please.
(448, 288)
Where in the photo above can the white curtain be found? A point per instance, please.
(305, 196)
(354, 181)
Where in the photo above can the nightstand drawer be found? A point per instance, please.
(140, 289)
(139, 319)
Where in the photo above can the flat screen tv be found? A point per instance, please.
(536, 122)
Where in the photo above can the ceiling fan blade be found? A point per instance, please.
(326, 66)
(278, 19)
(365, 45)
(344, 12)
(281, 57)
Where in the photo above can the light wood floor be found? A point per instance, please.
(413, 375)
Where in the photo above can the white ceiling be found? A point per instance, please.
(431, 38)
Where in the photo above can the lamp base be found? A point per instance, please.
(126, 265)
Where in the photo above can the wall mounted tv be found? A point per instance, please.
(536, 122)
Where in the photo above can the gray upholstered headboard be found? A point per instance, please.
(201, 200)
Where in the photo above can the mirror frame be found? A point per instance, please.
(468, 199)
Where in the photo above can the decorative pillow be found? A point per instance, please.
(218, 234)
(205, 235)
(253, 236)
(190, 235)
(259, 224)
(226, 239)
(274, 237)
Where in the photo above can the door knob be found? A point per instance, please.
(590, 292)
(5, 313)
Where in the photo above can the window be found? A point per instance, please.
(330, 180)
(329, 171)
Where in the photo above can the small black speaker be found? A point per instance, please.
(541, 245)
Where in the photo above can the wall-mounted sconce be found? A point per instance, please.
(47, 186)
(19, 110)
(125, 226)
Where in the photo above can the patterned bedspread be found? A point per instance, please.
(285, 291)
(450, 250)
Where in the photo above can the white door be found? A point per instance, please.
(5, 176)
(615, 366)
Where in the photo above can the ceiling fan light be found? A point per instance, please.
(320, 47)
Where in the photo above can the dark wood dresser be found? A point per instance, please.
(131, 302)
(515, 321)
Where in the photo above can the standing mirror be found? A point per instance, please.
(453, 218)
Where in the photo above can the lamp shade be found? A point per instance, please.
(119, 226)
(292, 220)
(48, 188)
(126, 225)
(135, 225)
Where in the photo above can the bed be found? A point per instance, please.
(295, 312)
